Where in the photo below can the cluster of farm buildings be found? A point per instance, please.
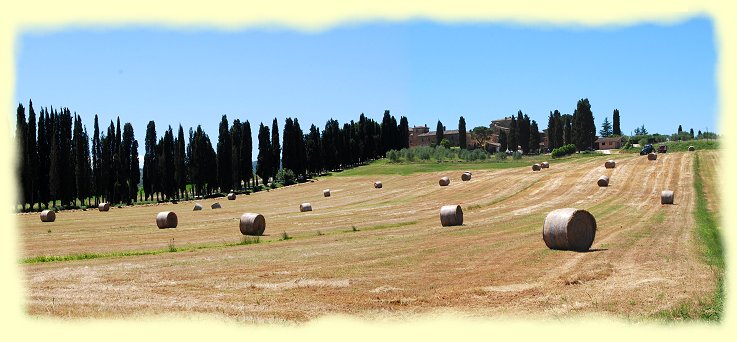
(422, 136)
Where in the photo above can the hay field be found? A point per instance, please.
(398, 260)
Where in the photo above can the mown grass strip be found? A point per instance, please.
(713, 252)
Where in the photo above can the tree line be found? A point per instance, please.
(57, 165)
(578, 128)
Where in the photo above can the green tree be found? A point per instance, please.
(534, 138)
(404, 132)
(135, 172)
(462, 133)
(615, 123)
(680, 129)
(21, 130)
(96, 150)
(180, 163)
(513, 135)
(503, 140)
(236, 140)
(265, 154)
(481, 134)
(583, 127)
(32, 156)
(275, 148)
(314, 151)
(523, 132)
(439, 133)
(567, 130)
(606, 128)
(43, 160)
(224, 156)
(150, 162)
(288, 160)
(300, 152)
(246, 153)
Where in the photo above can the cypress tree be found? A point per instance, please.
(313, 151)
(236, 141)
(503, 145)
(32, 156)
(43, 160)
(404, 132)
(615, 123)
(265, 154)
(523, 132)
(275, 149)
(288, 158)
(559, 128)
(127, 193)
(385, 133)
(96, 150)
(534, 141)
(21, 130)
(439, 133)
(551, 132)
(224, 156)
(180, 168)
(247, 153)
(584, 128)
(135, 172)
(300, 151)
(513, 137)
(149, 161)
(462, 133)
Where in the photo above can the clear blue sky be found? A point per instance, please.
(657, 75)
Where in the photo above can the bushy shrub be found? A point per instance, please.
(441, 153)
(393, 156)
(408, 154)
(500, 156)
(517, 155)
(479, 154)
(286, 177)
(563, 150)
(425, 152)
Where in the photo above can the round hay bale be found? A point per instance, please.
(466, 176)
(451, 215)
(652, 156)
(603, 181)
(48, 216)
(444, 181)
(197, 206)
(104, 206)
(166, 219)
(545, 165)
(326, 192)
(215, 205)
(231, 196)
(569, 229)
(252, 224)
(691, 148)
(666, 197)
(305, 207)
(610, 164)
(378, 184)
(535, 167)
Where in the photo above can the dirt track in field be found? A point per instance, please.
(400, 261)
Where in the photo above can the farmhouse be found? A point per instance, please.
(608, 143)
(422, 136)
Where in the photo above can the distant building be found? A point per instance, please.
(609, 143)
(427, 139)
(414, 135)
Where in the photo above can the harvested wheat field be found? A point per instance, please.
(377, 253)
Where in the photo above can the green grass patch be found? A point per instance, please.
(680, 146)
(384, 167)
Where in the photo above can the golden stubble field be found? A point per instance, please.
(399, 261)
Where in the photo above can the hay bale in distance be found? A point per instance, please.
(231, 196)
(252, 224)
(569, 229)
(545, 165)
(216, 205)
(326, 192)
(444, 181)
(305, 207)
(378, 184)
(652, 156)
(666, 197)
(166, 219)
(104, 206)
(466, 176)
(692, 148)
(197, 206)
(610, 164)
(535, 167)
(603, 181)
(451, 215)
(48, 216)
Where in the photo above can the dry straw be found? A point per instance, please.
(451, 215)
(197, 206)
(610, 164)
(535, 167)
(603, 181)
(466, 176)
(166, 219)
(652, 156)
(569, 229)
(378, 184)
(444, 181)
(104, 206)
(666, 197)
(231, 196)
(252, 224)
(691, 148)
(215, 205)
(305, 207)
(48, 216)
(326, 192)
(544, 165)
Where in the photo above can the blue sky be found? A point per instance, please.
(659, 75)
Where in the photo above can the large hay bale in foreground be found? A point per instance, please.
(535, 167)
(603, 181)
(378, 184)
(166, 219)
(610, 164)
(666, 197)
(231, 196)
(104, 206)
(451, 215)
(569, 229)
(215, 205)
(444, 181)
(545, 165)
(305, 207)
(326, 192)
(197, 206)
(692, 148)
(652, 156)
(466, 176)
(252, 224)
(48, 216)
